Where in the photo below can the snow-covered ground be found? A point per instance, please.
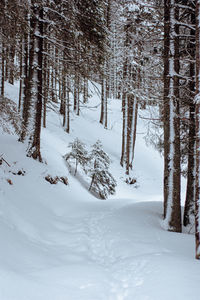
(61, 243)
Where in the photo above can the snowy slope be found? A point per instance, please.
(61, 243)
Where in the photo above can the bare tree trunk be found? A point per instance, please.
(134, 129)
(85, 90)
(68, 104)
(64, 92)
(21, 74)
(190, 192)
(129, 137)
(197, 100)
(12, 65)
(102, 116)
(172, 208)
(28, 73)
(34, 150)
(124, 109)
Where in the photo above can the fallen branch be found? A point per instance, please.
(1, 158)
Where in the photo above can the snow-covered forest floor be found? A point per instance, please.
(60, 242)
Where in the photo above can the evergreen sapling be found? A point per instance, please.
(79, 153)
(102, 181)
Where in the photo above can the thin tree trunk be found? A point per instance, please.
(1, 64)
(102, 116)
(12, 65)
(85, 90)
(123, 130)
(190, 191)
(64, 94)
(21, 75)
(68, 105)
(129, 137)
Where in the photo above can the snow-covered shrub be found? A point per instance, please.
(102, 181)
(78, 153)
(10, 120)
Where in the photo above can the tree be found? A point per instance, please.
(189, 209)
(197, 115)
(102, 182)
(172, 208)
(37, 92)
(79, 153)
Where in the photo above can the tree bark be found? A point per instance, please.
(190, 191)
(34, 150)
(172, 208)
(197, 100)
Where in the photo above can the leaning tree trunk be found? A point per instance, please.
(172, 208)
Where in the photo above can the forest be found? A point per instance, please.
(140, 58)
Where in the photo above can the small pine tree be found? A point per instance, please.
(79, 153)
(102, 181)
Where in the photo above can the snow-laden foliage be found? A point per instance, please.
(95, 164)
(102, 180)
(10, 120)
(78, 153)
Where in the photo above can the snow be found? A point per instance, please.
(61, 243)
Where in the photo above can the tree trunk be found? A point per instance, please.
(172, 208)
(85, 90)
(34, 150)
(28, 74)
(68, 104)
(102, 116)
(21, 75)
(123, 129)
(197, 100)
(12, 65)
(190, 191)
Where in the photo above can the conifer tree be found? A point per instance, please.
(102, 181)
(78, 153)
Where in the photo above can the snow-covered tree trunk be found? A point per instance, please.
(63, 95)
(172, 208)
(124, 128)
(34, 148)
(68, 104)
(197, 100)
(28, 74)
(103, 99)
(77, 92)
(45, 78)
(129, 136)
(134, 129)
(191, 170)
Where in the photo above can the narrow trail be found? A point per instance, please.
(125, 273)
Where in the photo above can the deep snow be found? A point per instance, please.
(61, 243)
